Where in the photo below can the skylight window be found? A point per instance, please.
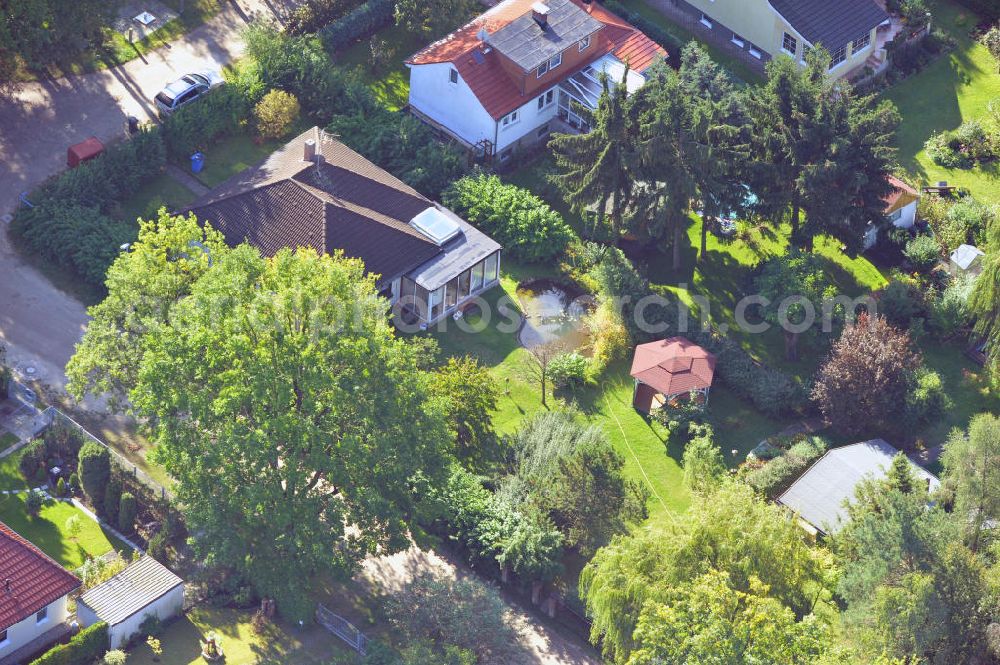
(437, 226)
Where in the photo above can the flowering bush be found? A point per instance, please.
(276, 113)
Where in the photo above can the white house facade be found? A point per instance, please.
(503, 80)
(33, 593)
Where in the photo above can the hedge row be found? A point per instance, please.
(672, 44)
(84, 649)
(314, 14)
(195, 126)
(363, 21)
(770, 390)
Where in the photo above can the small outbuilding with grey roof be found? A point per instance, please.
(821, 495)
(144, 588)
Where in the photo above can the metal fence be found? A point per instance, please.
(342, 628)
(56, 416)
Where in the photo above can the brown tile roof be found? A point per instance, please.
(35, 579)
(494, 87)
(901, 196)
(674, 365)
(341, 201)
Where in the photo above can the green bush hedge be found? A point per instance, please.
(84, 649)
(770, 390)
(777, 474)
(366, 19)
(526, 226)
(194, 126)
(32, 459)
(314, 14)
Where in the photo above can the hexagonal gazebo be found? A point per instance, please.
(669, 369)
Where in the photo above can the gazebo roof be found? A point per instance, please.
(673, 366)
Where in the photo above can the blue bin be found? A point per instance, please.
(197, 162)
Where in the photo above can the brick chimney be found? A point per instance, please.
(309, 151)
(7, 589)
(540, 12)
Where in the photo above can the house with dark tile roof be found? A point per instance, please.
(848, 29)
(33, 593)
(510, 76)
(316, 192)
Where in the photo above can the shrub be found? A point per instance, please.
(61, 487)
(901, 300)
(991, 40)
(361, 22)
(62, 441)
(777, 474)
(568, 370)
(970, 219)
(84, 648)
(525, 225)
(312, 15)
(609, 337)
(926, 400)
(95, 471)
(194, 126)
(157, 546)
(963, 148)
(33, 502)
(74, 481)
(276, 113)
(922, 252)
(949, 311)
(151, 625)
(403, 146)
(32, 459)
(943, 149)
(112, 500)
(770, 390)
(116, 657)
(127, 510)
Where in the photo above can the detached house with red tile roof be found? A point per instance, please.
(33, 591)
(512, 75)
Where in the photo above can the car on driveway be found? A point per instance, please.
(186, 89)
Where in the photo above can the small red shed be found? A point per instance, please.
(81, 152)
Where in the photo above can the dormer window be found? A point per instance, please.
(584, 43)
(553, 62)
(453, 75)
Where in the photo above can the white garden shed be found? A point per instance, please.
(144, 588)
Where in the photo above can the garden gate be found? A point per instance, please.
(342, 628)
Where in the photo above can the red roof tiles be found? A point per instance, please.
(493, 86)
(35, 579)
(902, 195)
(672, 366)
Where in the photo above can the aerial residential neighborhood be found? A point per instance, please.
(513, 332)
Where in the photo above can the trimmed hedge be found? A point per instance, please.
(84, 649)
(195, 126)
(672, 44)
(770, 390)
(363, 21)
(314, 14)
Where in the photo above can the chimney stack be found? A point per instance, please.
(309, 153)
(540, 12)
(6, 586)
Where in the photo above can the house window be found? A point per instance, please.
(754, 51)
(584, 43)
(451, 293)
(435, 301)
(838, 56)
(736, 39)
(555, 61)
(546, 99)
(463, 284)
(861, 42)
(789, 44)
(542, 131)
(895, 214)
(509, 119)
(492, 263)
(542, 68)
(705, 21)
(453, 75)
(42, 615)
(477, 276)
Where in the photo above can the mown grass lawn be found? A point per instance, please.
(390, 81)
(237, 152)
(10, 473)
(145, 202)
(49, 533)
(281, 643)
(955, 88)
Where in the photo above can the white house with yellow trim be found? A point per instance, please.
(766, 28)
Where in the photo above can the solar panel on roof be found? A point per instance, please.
(437, 226)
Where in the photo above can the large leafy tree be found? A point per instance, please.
(972, 471)
(298, 428)
(470, 395)
(731, 531)
(863, 384)
(706, 621)
(432, 17)
(571, 473)
(597, 168)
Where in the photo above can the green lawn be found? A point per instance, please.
(740, 70)
(10, 474)
(953, 89)
(48, 531)
(146, 201)
(391, 81)
(7, 440)
(281, 644)
(233, 154)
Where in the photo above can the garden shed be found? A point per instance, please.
(670, 369)
(144, 588)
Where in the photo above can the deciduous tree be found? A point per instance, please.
(471, 395)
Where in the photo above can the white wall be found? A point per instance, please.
(27, 630)
(165, 608)
(908, 216)
(453, 105)
(530, 118)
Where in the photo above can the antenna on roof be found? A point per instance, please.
(6, 586)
